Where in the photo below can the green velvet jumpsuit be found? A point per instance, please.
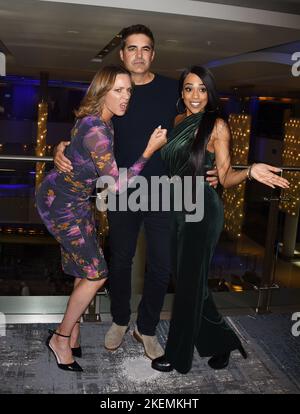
(195, 320)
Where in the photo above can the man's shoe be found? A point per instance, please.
(114, 336)
(152, 347)
(162, 364)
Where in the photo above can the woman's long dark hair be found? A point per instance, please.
(208, 120)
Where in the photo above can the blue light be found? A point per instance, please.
(24, 101)
(36, 82)
(13, 186)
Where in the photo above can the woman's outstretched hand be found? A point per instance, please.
(157, 140)
(264, 173)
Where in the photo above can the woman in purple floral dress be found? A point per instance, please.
(63, 199)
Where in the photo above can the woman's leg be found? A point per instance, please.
(78, 302)
(215, 337)
(187, 306)
(195, 245)
(74, 340)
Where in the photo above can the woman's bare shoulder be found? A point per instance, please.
(220, 127)
(179, 118)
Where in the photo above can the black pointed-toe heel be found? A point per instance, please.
(162, 364)
(73, 366)
(77, 352)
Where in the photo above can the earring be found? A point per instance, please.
(177, 106)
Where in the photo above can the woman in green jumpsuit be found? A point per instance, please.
(195, 144)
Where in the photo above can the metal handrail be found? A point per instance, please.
(50, 159)
(25, 158)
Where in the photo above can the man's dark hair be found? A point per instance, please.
(136, 29)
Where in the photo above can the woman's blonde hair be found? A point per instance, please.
(103, 81)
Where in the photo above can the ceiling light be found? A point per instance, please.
(115, 41)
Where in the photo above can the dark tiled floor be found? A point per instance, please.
(273, 365)
(273, 333)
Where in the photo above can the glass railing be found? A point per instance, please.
(247, 272)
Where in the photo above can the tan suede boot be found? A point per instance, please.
(152, 347)
(114, 336)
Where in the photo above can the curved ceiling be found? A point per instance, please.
(63, 37)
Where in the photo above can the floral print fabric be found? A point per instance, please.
(63, 199)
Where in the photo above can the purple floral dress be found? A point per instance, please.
(64, 203)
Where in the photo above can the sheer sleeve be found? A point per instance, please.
(99, 144)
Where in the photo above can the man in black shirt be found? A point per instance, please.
(153, 103)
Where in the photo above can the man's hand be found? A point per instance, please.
(61, 162)
(212, 177)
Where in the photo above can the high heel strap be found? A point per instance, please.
(59, 334)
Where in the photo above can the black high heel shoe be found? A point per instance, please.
(73, 366)
(162, 364)
(221, 361)
(77, 352)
